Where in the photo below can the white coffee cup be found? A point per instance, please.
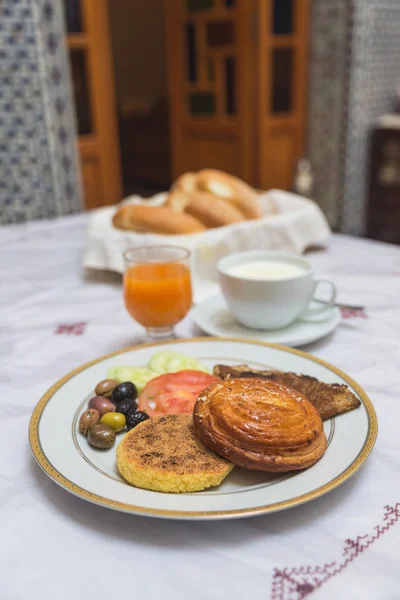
(270, 299)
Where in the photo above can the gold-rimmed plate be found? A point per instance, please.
(68, 459)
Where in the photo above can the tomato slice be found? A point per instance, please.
(173, 392)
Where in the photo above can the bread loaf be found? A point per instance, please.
(155, 219)
(212, 211)
(230, 188)
(186, 182)
(208, 209)
(178, 200)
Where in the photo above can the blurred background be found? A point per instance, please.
(299, 95)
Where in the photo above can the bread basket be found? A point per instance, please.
(290, 222)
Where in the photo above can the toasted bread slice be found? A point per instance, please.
(330, 399)
(164, 454)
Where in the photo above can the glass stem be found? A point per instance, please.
(156, 334)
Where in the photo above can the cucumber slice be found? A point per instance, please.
(137, 375)
(159, 361)
(172, 362)
(176, 364)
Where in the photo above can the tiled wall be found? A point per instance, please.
(374, 77)
(328, 95)
(354, 71)
(39, 175)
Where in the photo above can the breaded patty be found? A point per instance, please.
(164, 454)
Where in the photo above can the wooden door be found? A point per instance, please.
(237, 75)
(282, 47)
(94, 92)
(210, 85)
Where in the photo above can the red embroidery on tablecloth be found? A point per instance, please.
(353, 313)
(71, 328)
(299, 582)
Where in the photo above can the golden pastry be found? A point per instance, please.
(260, 424)
(330, 399)
(164, 454)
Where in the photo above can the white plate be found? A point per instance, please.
(92, 474)
(214, 317)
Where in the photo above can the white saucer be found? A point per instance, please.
(213, 316)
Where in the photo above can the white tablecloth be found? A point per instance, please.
(53, 317)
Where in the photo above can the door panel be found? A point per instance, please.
(93, 82)
(282, 82)
(210, 89)
(237, 86)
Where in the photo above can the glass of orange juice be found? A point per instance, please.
(157, 287)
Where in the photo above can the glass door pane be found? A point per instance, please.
(73, 16)
(283, 17)
(230, 86)
(282, 80)
(202, 103)
(81, 92)
(198, 5)
(191, 52)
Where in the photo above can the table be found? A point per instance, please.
(53, 317)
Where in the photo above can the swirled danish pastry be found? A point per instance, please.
(260, 424)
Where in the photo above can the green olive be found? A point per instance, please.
(115, 420)
(106, 387)
(101, 436)
(88, 419)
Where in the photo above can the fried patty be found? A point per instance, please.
(164, 454)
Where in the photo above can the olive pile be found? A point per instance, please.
(113, 408)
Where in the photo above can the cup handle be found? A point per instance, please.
(326, 305)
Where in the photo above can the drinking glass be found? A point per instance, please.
(157, 288)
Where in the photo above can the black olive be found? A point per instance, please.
(123, 391)
(127, 405)
(134, 418)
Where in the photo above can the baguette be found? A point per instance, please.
(185, 183)
(230, 188)
(178, 200)
(212, 211)
(208, 209)
(155, 219)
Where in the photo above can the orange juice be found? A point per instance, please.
(158, 294)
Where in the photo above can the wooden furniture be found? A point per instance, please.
(384, 197)
(92, 77)
(237, 76)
